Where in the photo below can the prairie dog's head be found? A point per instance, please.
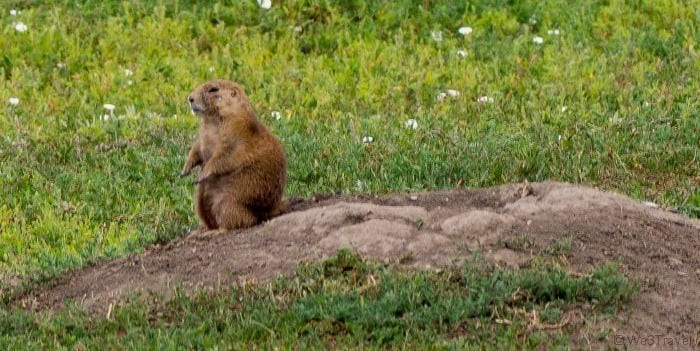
(219, 100)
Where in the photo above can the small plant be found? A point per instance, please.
(523, 242)
(560, 245)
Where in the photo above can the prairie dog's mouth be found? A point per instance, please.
(195, 108)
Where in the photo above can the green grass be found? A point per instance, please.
(610, 102)
(77, 187)
(344, 302)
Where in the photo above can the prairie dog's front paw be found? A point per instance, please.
(186, 170)
(203, 175)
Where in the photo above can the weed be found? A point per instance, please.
(524, 242)
(560, 245)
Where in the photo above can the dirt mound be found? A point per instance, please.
(507, 224)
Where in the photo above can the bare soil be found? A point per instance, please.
(508, 225)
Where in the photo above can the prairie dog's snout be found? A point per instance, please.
(194, 107)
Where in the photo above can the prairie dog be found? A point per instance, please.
(243, 165)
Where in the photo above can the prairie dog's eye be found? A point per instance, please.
(213, 90)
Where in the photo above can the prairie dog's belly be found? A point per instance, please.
(210, 141)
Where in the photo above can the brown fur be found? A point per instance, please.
(243, 166)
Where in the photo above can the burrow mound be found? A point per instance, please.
(507, 225)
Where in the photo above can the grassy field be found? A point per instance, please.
(603, 93)
(343, 303)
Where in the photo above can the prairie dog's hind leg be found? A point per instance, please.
(204, 208)
(233, 215)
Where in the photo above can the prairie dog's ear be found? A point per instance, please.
(235, 91)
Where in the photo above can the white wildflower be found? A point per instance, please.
(559, 137)
(276, 115)
(211, 69)
(367, 139)
(533, 21)
(14, 12)
(462, 53)
(449, 92)
(437, 35)
(61, 65)
(553, 32)
(110, 108)
(465, 30)
(412, 124)
(564, 108)
(20, 27)
(14, 101)
(128, 72)
(297, 29)
(537, 40)
(485, 99)
(265, 4)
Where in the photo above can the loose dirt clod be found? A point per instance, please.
(507, 225)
